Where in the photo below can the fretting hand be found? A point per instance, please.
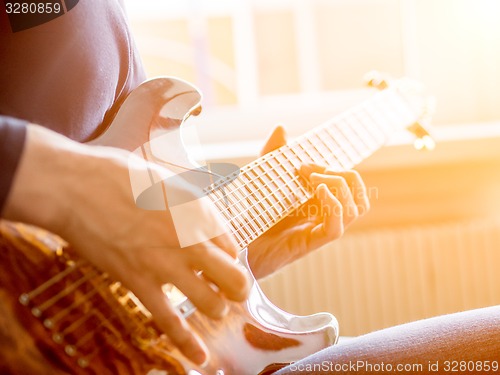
(339, 199)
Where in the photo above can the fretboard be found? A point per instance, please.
(270, 188)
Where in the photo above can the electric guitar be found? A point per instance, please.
(59, 314)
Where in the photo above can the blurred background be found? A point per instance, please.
(431, 242)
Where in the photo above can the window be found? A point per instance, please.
(298, 62)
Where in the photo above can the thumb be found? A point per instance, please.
(275, 140)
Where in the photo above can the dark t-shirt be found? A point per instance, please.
(69, 74)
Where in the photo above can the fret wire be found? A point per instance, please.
(290, 154)
(331, 158)
(332, 144)
(239, 216)
(272, 200)
(291, 179)
(344, 145)
(296, 152)
(365, 134)
(275, 166)
(220, 204)
(292, 184)
(309, 149)
(269, 180)
(247, 234)
(298, 188)
(265, 212)
(260, 174)
(306, 197)
(334, 133)
(235, 232)
(274, 203)
(326, 155)
(225, 210)
(239, 237)
(274, 170)
(315, 149)
(350, 143)
(305, 144)
(283, 162)
(255, 179)
(301, 153)
(243, 240)
(241, 198)
(280, 177)
(262, 201)
(338, 144)
(253, 205)
(356, 142)
(286, 209)
(249, 194)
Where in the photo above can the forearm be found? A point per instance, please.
(46, 178)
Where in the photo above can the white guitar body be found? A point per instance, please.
(77, 320)
(256, 336)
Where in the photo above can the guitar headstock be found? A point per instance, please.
(422, 105)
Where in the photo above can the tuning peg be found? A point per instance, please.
(377, 80)
(424, 140)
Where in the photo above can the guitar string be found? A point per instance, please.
(369, 148)
(54, 319)
(75, 324)
(86, 337)
(274, 220)
(95, 312)
(281, 213)
(370, 144)
(74, 348)
(103, 321)
(348, 142)
(72, 288)
(259, 177)
(38, 310)
(61, 275)
(233, 219)
(247, 197)
(103, 283)
(108, 321)
(84, 360)
(58, 277)
(323, 128)
(263, 199)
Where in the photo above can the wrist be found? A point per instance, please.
(41, 191)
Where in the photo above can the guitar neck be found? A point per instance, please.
(268, 189)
